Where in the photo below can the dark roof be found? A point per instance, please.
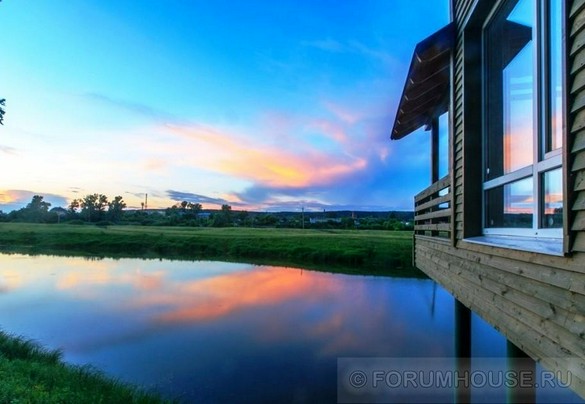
(426, 91)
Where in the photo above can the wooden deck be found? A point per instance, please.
(432, 210)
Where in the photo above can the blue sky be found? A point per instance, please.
(262, 105)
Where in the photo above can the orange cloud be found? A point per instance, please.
(231, 154)
(10, 196)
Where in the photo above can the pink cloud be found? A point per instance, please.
(236, 155)
(331, 129)
(348, 115)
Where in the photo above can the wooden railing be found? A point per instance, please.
(432, 210)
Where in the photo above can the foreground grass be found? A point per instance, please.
(32, 374)
(347, 251)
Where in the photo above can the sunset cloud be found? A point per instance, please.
(13, 199)
(195, 198)
(7, 149)
(237, 156)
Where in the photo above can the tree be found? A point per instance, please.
(93, 207)
(224, 217)
(116, 209)
(2, 110)
(37, 204)
(74, 205)
(37, 211)
(195, 207)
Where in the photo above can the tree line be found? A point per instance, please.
(98, 209)
(92, 208)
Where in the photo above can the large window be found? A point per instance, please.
(523, 119)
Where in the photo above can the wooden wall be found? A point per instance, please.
(576, 102)
(537, 301)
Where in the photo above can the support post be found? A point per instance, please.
(434, 160)
(434, 150)
(462, 352)
(524, 368)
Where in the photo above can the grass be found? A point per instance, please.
(31, 374)
(347, 251)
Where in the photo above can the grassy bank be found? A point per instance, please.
(349, 251)
(31, 374)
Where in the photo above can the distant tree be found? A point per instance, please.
(35, 211)
(348, 223)
(2, 110)
(243, 218)
(38, 204)
(190, 216)
(268, 220)
(116, 209)
(93, 207)
(224, 217)
(195, 207)
(74, 206)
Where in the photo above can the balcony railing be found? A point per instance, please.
(432, 210)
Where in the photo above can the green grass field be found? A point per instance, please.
(348, 251)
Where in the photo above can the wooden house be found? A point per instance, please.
(502, 226)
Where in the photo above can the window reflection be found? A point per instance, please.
(524, 116)
(553, 199)
(518, 82)
(444, 145)
(510, 205)
(511, 90)
(555, 140)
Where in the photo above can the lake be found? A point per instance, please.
(220, 332)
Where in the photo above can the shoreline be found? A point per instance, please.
(364, 252)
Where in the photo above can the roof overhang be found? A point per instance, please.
(426, 91)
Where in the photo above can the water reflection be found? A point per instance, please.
(211, 331)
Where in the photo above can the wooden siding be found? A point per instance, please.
(539, 306)
(461, 11)
(576, 138)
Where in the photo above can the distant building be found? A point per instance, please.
(316, 220)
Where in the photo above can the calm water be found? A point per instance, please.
(219, 332)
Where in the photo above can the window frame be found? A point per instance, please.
(543, 160)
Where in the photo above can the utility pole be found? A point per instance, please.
(146, 201)
(303, 216)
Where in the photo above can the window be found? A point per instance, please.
(523, 119)
(443, 166)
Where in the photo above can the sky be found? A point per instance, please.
(262, 105)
